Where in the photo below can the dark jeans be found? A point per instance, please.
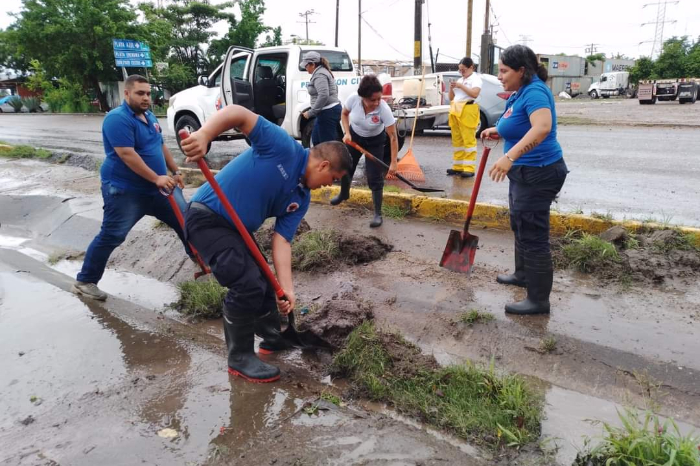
(326, 125)
(222, 247)
(530, 195)
(375, 146)
(122, 210)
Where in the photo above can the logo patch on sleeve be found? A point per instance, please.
(293, 207)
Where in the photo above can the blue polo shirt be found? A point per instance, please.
(515, 122)
(264, 181)
(123, 128)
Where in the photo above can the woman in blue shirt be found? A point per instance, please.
(534, 164)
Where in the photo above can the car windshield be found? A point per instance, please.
(339, 61)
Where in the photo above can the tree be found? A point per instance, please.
(693, 60)
(244, 32)
(276, 38)
(595, 57)
(642, 69)
(72, 39)
(672, 61)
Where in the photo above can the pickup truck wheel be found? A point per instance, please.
(190, 124)
(306, 133)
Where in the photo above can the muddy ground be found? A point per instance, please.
(614, 345)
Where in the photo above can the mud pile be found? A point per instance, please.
(407, 360)
(644, 257)
(326, 249)
(336, 319)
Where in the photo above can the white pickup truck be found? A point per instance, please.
(269, 81)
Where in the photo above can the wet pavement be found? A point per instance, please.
(109, 378)
(641, 173)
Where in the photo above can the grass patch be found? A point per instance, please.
(63, 159)
(589, 253)
(548, 345)
(642, 440)
(388, 188)
(395, 212)
(25, 152)
(608, 217)
(472, 402)
(475, 316)
(315, 249)
(679, 241)
(56, 257)
(201, 299)
(331, 398)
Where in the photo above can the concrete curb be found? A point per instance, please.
(485, 215)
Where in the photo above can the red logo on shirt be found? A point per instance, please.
(508, 113)
(375, 119)
(292, 207)
(157, 127)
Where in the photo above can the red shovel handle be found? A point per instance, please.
(475, 189)
(252, 247)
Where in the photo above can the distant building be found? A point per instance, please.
(574, 75)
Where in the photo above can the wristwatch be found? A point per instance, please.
(177, 173)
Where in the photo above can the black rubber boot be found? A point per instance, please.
(242, 360)
(539, 273)
(377, 196)
(344, 193)
(518, 277)
(268, 328)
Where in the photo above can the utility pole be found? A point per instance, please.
(418, 39)
(485, 58)
(359, 36)
(525, 39)
(337, 13)
(305, 15)
(660, 21)
(592, 49)
(470, 8)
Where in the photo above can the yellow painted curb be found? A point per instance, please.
(453, 210)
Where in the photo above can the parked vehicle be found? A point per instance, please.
(402, 93)
(269, 81)
(686, 90)
(611, 84)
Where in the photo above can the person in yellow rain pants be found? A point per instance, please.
(464, 119)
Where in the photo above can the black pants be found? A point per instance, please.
(375, 146)
(530, 196)
(222, 247)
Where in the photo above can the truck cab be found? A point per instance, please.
(610, 84)
(268, 81)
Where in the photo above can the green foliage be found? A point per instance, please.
(177, 77)
(595, 57)
(201, 298)
(33, 104)
(589, 253)
(395, 212)
(475, 316)
(25, 152)
(16, 103)
(469, 401)
(275, 39)
(72, 39)
(643, 69)
(642, 441)
(314, 249)
(244, 32)
(672, 60)
(67, 97)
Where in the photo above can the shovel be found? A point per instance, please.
(379, 162)
(461, 246)
(291, 335)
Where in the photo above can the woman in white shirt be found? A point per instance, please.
(464, 119)
(367, 120)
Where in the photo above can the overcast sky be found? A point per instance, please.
(551, 26)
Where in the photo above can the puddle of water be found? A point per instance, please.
(567, 420)
(144, 291)
(11, 242)
(51, 347)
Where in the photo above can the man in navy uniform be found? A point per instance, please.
(271, 179)
(133, 172)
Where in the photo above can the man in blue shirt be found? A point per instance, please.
(271, 179)
(132, 173)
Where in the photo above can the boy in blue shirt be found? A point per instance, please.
(271, 179)
(133, 171)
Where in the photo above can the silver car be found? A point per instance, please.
(492, 100)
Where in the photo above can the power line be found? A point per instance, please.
(659, 24)
(498, 23)
(382, 38)
(525, 39)
(306, 15)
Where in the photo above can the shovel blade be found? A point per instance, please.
(302, 339)
(460, 252)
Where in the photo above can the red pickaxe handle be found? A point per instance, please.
(252, 247)
(181, 220)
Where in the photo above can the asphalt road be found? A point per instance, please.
(628, 172)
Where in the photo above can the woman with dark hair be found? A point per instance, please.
(367, 120)
(534, 164)
(464, 119)
(325, 105)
